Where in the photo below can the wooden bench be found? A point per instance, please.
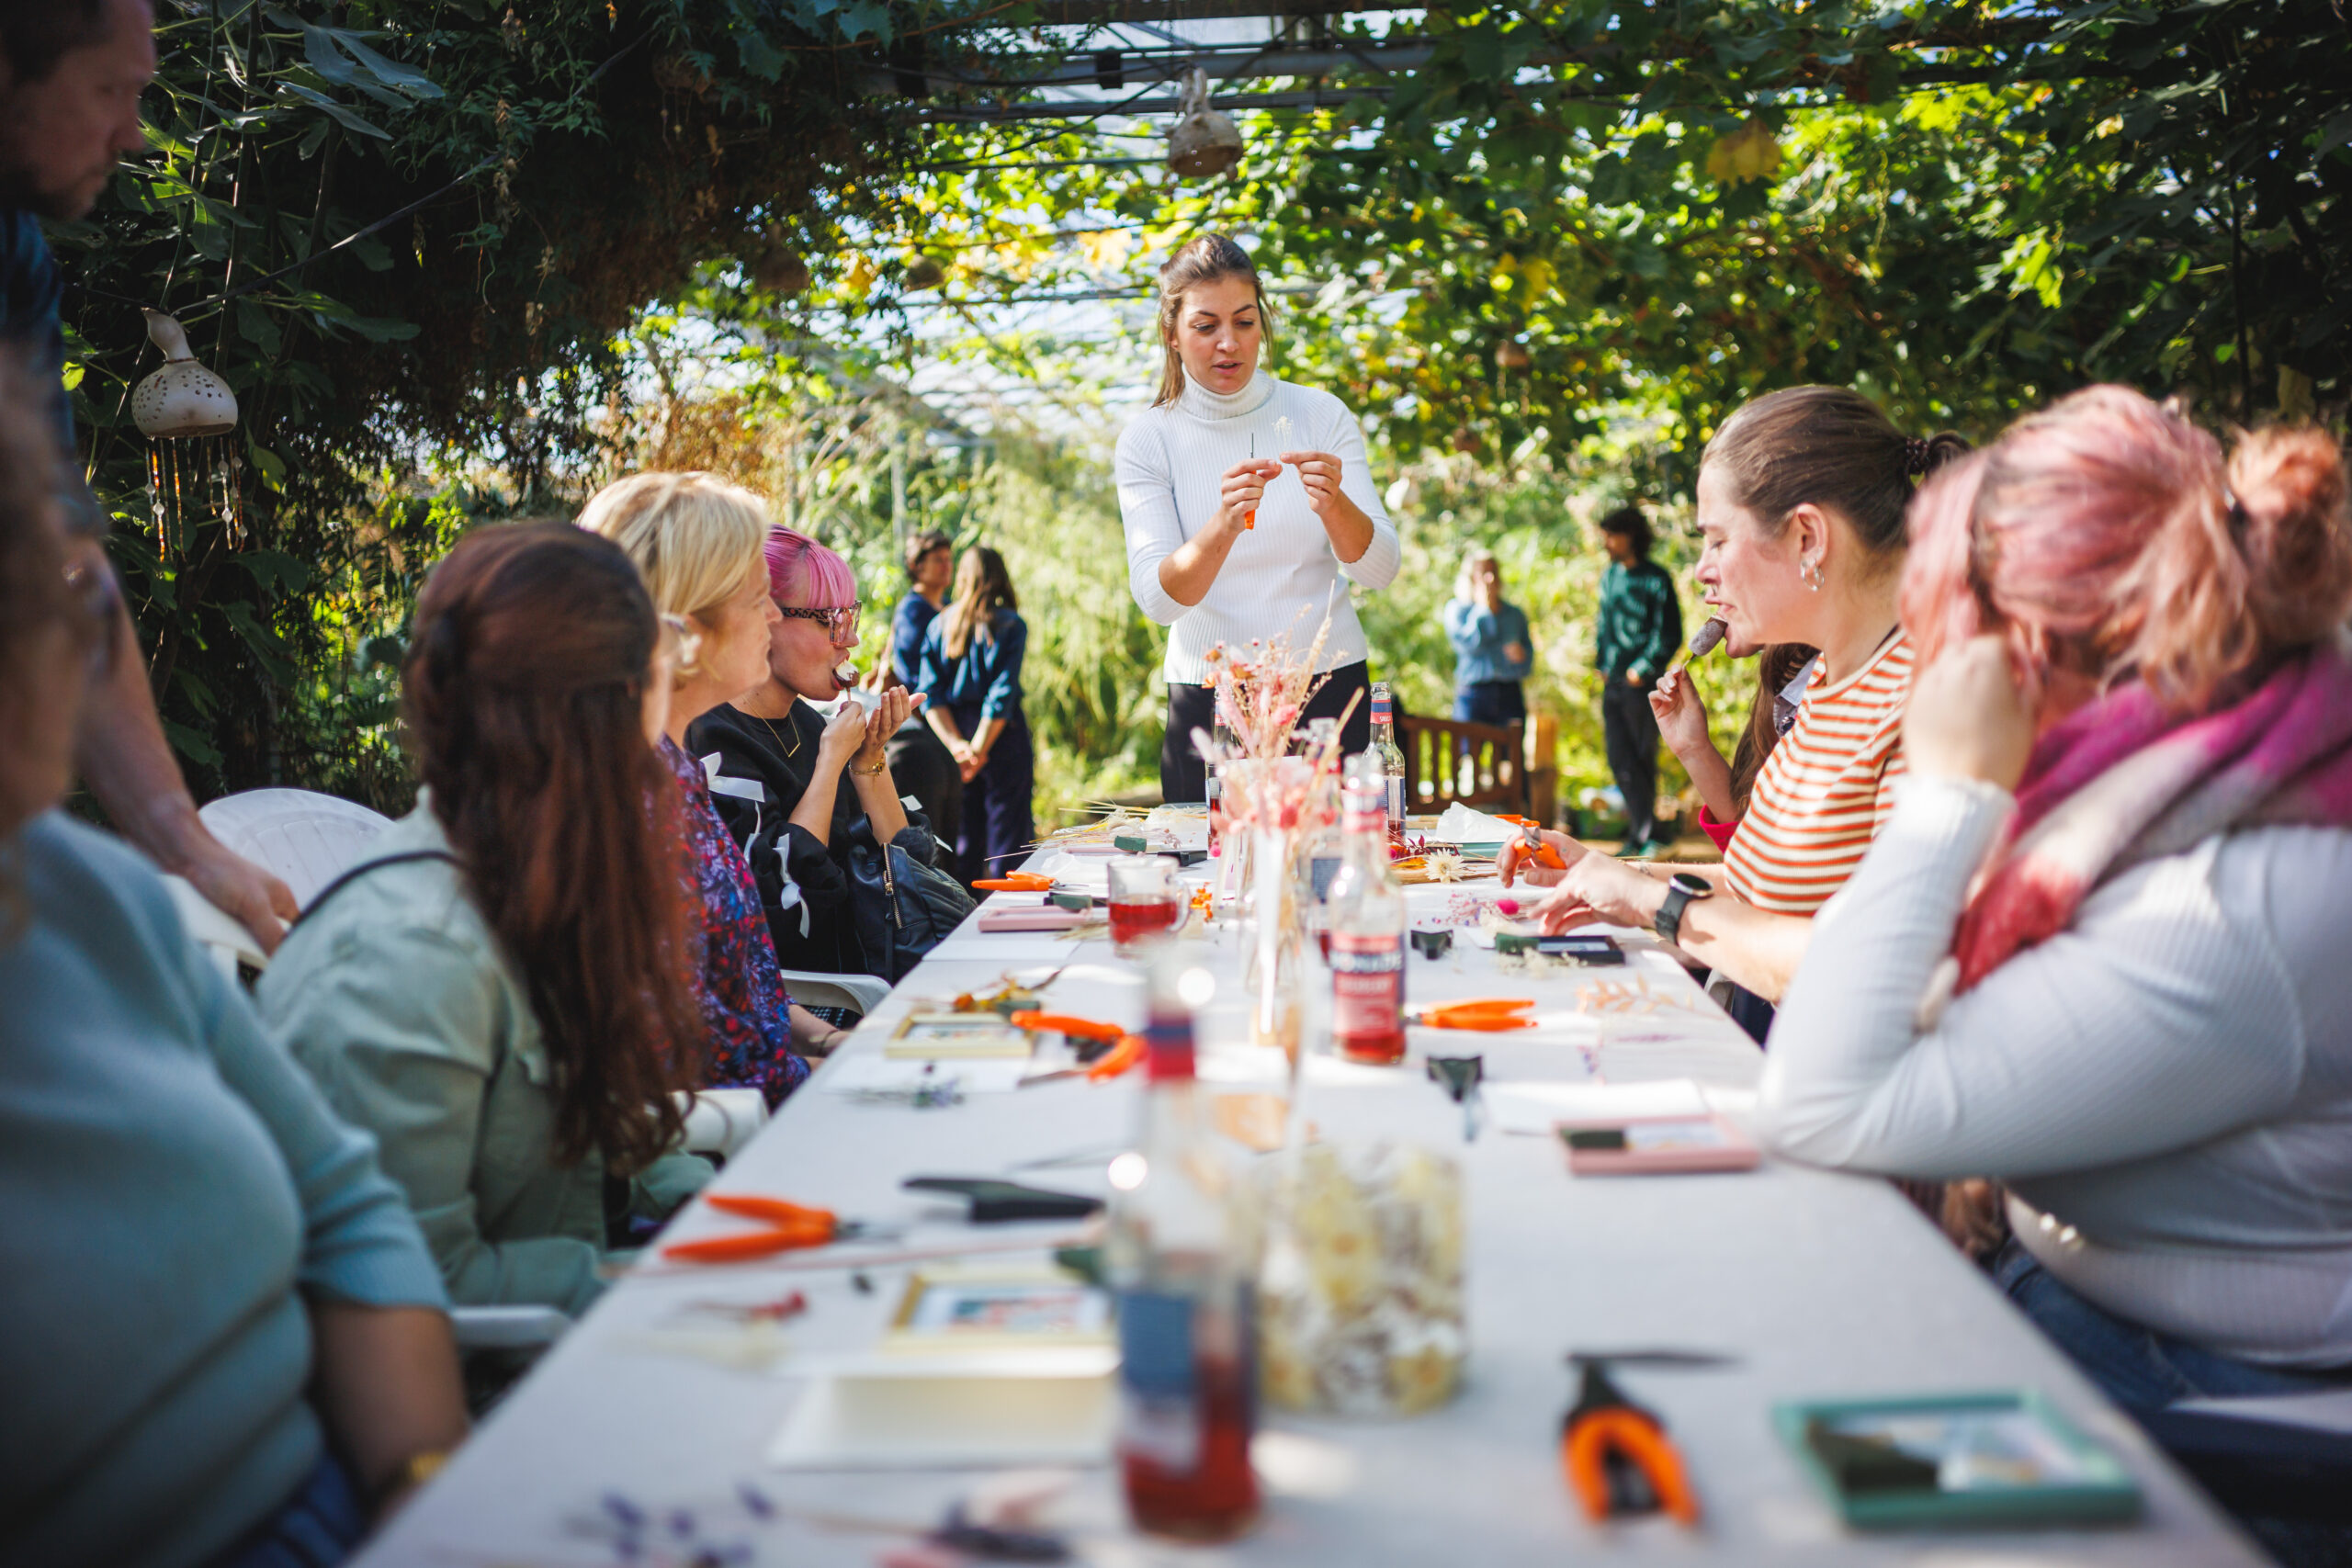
(1447, 761)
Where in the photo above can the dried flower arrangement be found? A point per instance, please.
(1261, 694)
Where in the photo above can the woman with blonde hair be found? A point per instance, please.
(700, 543)
(1223, 545)
(2098, 952)
(971, 674)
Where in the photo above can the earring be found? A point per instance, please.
(1811, 572)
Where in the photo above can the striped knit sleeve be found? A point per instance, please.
(1148, 513)
(1378, 567)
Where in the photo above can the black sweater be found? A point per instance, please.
(811, 882)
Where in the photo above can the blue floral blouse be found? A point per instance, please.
(743, 999)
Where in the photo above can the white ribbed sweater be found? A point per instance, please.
(2169, 1080)
(1281, 574)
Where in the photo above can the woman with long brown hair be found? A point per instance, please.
(1248, 506)
(971, 674)
(502, 992)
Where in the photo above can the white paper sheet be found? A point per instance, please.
(870, 1071)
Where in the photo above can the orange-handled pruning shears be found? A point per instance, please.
(784, 1227)
(1538, 851)
(1065, 1024)
(1016, 882)
(1616, 1455)
(1490, 1014)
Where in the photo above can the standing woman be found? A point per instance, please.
(497, 992)
(796, 788)
(1490, 648)
(699, 542)
(1223, 544)
(971, 675)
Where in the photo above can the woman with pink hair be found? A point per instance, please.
(2097, 953)
(797, 788)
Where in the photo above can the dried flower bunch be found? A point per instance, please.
(1260, 694)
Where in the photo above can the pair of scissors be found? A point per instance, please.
(784, 1227)
(1615, 1454)
(1491, 1015)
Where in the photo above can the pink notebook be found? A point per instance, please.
(1639, 1144)
(1030, 917)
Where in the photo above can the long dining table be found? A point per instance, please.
(645, 1434)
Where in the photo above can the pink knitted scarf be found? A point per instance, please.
(2121, 781)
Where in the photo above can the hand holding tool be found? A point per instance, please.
(784, 1227)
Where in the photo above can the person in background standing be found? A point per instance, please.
(1639, 627)
(1249, 508)
(922, 766)
(971, 672)
(1491, 655)
(71, 76)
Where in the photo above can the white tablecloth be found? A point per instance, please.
(1819, 1285)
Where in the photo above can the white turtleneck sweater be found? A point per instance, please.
(1171, 468)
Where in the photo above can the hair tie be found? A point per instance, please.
(1915, 458)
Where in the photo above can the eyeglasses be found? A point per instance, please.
(840, 621)
(681, 641)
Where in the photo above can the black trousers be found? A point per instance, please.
(1631, 732)
(1183, 775)
(920, 765)
(998, 829)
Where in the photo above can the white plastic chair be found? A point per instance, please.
(304, 838)
(859, 993)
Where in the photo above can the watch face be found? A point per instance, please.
(1691, 883)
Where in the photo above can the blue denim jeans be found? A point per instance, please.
(318, 1527)
(2137, 1368)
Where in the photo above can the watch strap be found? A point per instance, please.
(1668, 921)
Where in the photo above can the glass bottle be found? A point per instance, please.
(1366, 919)
(1178, 1256)
(1214, 787)
(1392, 761)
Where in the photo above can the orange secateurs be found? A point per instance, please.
(784, 1227)
(1616, 1455)
(1104, 1050)
(1016, 882)
(1489, 1015)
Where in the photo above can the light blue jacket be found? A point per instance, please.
(1481, 637)
(173, 1188)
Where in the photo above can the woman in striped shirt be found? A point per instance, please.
(1801, 501)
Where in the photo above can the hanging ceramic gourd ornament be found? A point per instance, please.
(189, 417)
(1205, 142)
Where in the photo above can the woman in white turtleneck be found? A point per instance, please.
(1246, 499)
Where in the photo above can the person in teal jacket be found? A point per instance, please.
(220, 1334)
(1639, 627)
(498, 991)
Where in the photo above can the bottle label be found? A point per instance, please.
(1159, 1406)
(1367, 985)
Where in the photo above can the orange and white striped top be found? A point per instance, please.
(1825, 789)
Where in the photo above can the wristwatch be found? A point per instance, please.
(1681, 889)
